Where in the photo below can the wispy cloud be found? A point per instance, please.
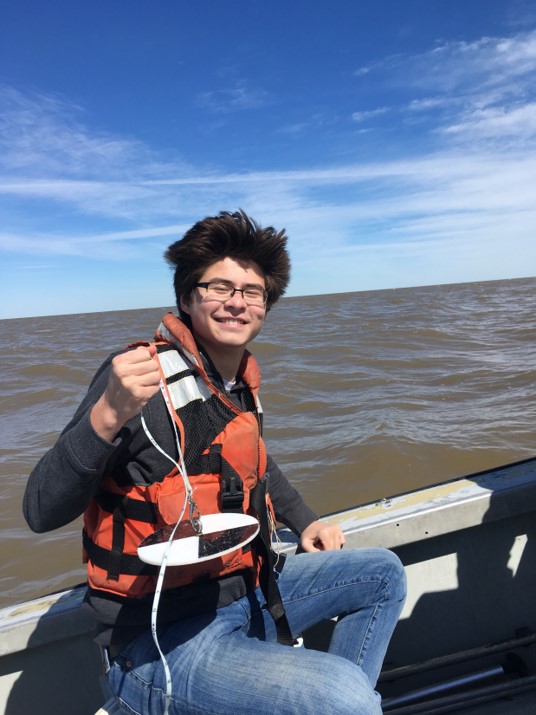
(233, 99)
(506, 63)
(369, 114)
(517, 122)
(317, 122)
(431, 103)
(45, 136)
(475, 91)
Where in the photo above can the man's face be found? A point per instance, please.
(229, 325)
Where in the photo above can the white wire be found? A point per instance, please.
(163, 566)
(182, 467)
(274, 537)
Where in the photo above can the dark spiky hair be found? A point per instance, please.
(229, 235)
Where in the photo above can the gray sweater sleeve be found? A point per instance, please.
(289, 507)
(62, 483)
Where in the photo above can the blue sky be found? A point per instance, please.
(394, 139)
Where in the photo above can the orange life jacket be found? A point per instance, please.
(225, 459)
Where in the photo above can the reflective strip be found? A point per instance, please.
(172, 363)
(187, 389)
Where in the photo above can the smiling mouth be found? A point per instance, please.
(231, 321)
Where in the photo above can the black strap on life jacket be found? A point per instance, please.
(114, 560)
(131, 564)
(132, 509)
(267, 579)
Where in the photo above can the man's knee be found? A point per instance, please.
(355, 697)
(348, 692)
(396, 576)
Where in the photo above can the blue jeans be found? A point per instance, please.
(229, 661)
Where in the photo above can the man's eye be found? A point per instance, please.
(220, 288)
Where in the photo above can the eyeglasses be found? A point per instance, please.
(218, 290)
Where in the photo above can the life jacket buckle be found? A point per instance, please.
(232, 495)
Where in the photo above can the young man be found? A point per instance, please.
(220, 624)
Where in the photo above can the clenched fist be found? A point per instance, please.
(134, 379)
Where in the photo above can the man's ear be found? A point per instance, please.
(185, 304)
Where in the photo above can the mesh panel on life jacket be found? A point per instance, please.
(203, 420)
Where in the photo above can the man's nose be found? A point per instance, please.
(237, 297)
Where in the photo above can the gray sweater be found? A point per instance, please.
(64, 481)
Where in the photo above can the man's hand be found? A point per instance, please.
(134, 379)
(320, 536)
